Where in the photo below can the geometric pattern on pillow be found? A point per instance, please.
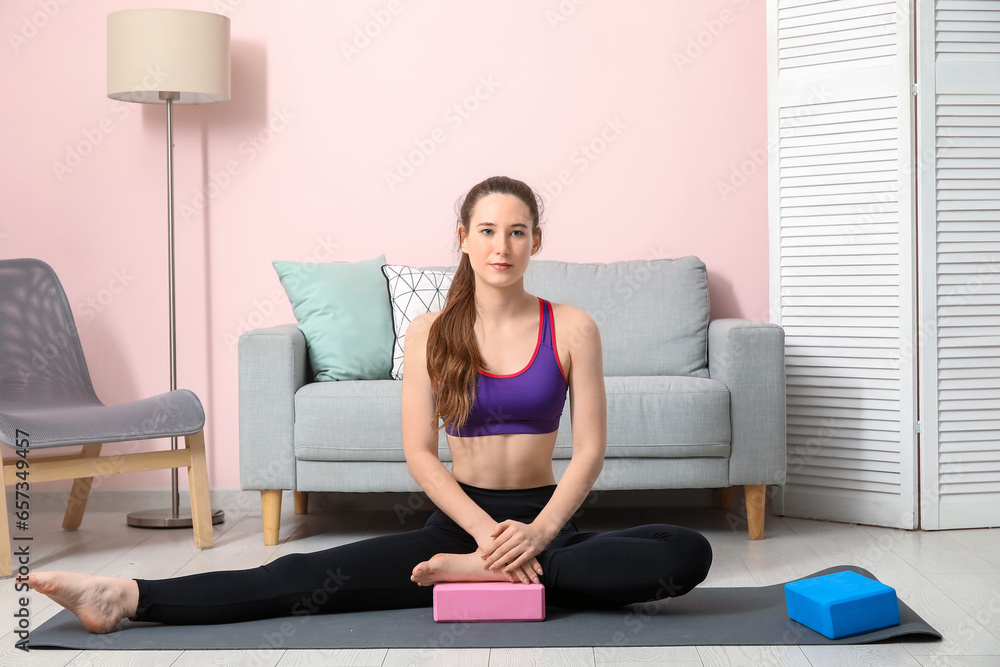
(412, 292)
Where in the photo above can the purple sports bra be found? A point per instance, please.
(529, 401)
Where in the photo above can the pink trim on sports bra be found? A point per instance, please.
(555, 350)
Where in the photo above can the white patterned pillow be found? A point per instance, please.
(412, 292)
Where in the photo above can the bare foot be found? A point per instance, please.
(454, 567)
(99, 602)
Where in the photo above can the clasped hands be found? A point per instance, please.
(512, 547)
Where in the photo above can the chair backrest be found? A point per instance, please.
(41, 359)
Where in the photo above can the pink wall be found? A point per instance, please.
(670, 95)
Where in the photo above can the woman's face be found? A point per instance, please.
(500, 234)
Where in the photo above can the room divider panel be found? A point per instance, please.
(842, 254)
(884, 214)
(958, 204)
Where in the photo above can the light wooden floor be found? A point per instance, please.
(952, 578)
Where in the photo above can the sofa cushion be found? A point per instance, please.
(359, 420)
(667, 417)
(652, 314)
(648, 417)
(661, 417)
(343, 311)
(412, 292)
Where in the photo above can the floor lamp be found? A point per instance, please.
(158, 56)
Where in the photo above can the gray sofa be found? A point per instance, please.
(691, 403)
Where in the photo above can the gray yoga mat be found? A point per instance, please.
(705, 616)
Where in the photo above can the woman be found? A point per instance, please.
(500, 514)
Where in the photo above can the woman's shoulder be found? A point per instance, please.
(563, 312)
(421, 324)
(416, 336)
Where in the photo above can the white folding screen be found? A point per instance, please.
(959, 207)
(842, 255)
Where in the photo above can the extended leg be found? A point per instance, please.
(623, 566)
(363, 575)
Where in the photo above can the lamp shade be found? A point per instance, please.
(170, 50)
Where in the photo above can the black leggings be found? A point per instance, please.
(592, 569)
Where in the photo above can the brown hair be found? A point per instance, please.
(453, 356)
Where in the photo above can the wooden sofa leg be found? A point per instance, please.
(301, 502)
(201, 506)
(270, 505)
(755, 497)
(726, 497)
(80, 492)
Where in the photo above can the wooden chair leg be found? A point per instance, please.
(755, 497)
(80, 492)
(6, 564)
(201, 506)
(270, 504)
(301, 502)
(726, 497)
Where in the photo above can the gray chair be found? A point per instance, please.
(47, 400)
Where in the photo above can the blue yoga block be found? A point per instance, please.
(842, 604)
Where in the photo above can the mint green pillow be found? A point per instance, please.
(343, 310)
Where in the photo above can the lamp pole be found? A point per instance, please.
(169, 97)
(171, 518)
(189, 52)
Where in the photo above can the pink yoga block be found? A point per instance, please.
(489, 601)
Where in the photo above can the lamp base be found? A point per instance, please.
(167, 519)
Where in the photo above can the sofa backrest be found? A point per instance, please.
(652, 314)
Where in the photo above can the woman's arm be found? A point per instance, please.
(420, 439)
(588, 405)
(514, 542)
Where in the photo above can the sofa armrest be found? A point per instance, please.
(749, 358)
(273, 365)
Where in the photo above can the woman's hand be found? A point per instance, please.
(513, 548)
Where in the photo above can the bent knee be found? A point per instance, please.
(704, 557)
(697, 558)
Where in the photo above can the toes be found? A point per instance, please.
(39, 582)
(420, 573)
